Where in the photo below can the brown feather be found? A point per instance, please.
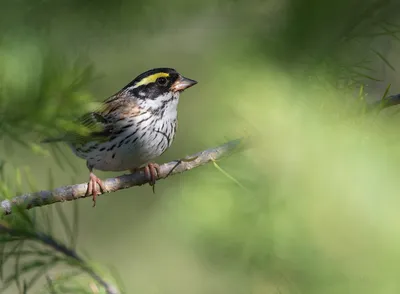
(121, 106)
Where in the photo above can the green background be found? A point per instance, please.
(317, 209)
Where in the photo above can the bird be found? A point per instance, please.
(131, 128)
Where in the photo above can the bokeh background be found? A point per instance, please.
(317, 208)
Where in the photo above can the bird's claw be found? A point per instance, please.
(151, 171)
(92, 187)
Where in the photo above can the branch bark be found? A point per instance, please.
(78, 191)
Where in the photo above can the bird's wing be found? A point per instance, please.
(102, 123)
(96, 126)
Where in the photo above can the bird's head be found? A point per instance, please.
(159, 84)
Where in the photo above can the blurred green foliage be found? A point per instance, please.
(315, 210)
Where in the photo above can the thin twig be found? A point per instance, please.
(74, 192)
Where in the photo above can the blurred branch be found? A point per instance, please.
(74, 192)
(385, 102)
(49, 241)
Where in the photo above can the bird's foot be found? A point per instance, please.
(92, 187)
(151, 172)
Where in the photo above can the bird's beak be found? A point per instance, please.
(182, 83)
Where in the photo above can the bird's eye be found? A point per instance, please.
(162, 81)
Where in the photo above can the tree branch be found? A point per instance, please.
(74, 192)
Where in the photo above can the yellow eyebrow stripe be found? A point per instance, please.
(151, 79)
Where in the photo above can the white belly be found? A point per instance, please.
(132, 148)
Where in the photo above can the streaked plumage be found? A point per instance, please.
(133, 127)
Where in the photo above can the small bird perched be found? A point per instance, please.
(133, 126)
